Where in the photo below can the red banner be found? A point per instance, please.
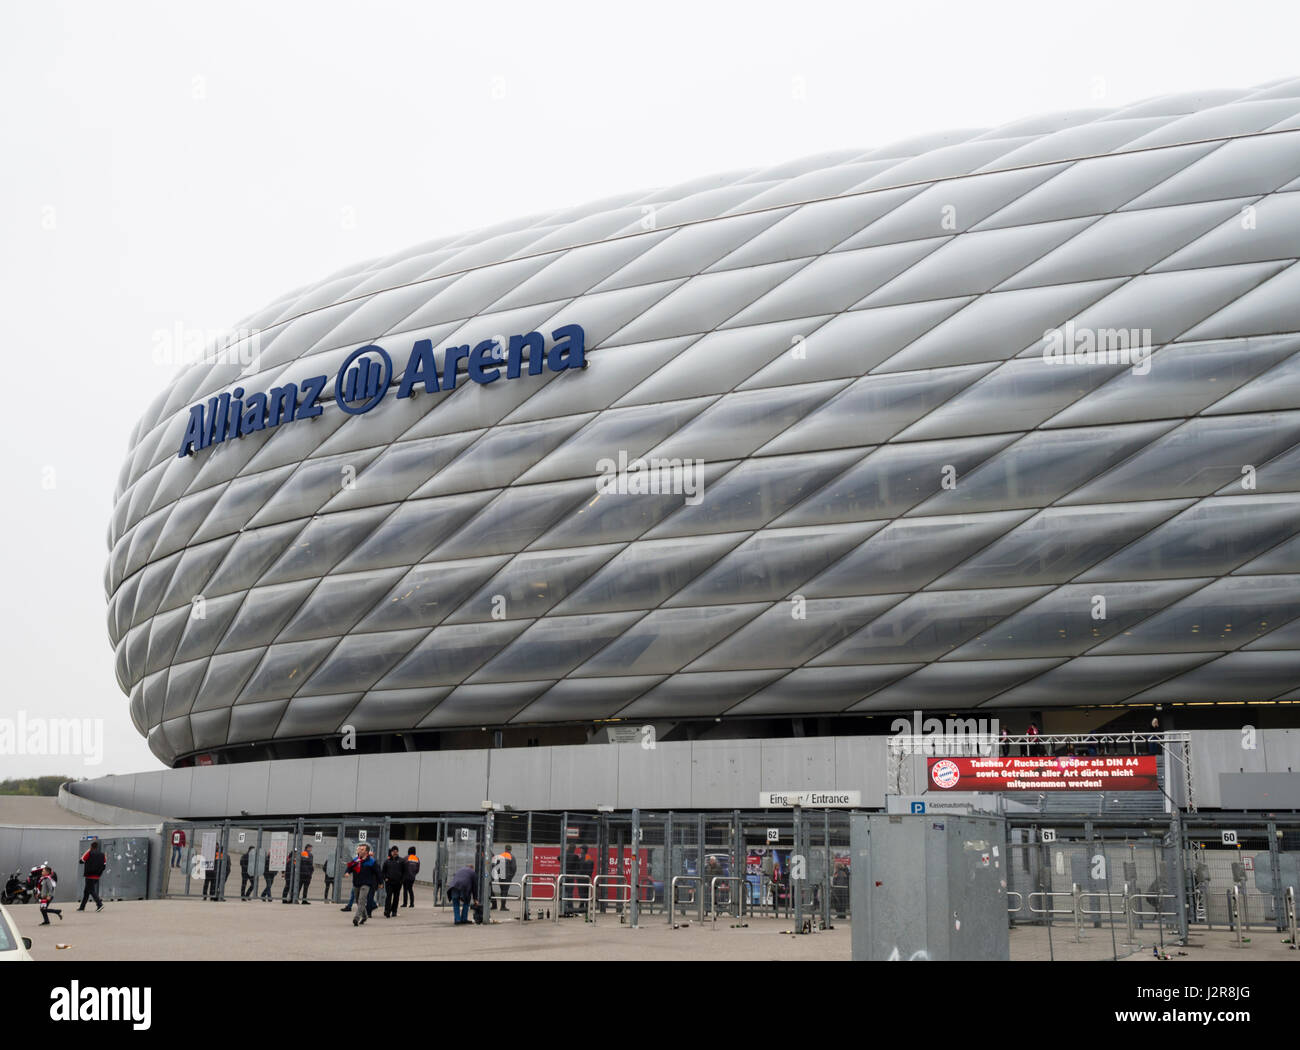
(1062, 773)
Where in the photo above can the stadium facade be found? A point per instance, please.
(988, 421)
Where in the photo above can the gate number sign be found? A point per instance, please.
(361, 835)
(320, 836)
(464, 834)
(1229, 838)
(1049, 834)
(773, 834)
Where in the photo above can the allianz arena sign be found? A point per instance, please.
(363, 380)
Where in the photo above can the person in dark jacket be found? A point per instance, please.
(269, 875)
(247, 879)
(462, 889)
(328, 866)
(93, 862)
(365, 877)
(289, 860)
(394, 876)
(306, 866)
(408, 880)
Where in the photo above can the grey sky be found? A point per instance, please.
(182, 165)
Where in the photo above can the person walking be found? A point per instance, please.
(178, 845)
(408, 880)
(365, 876)
(394, 876)
(45, 896)
(328, 868)
(306, 866)
(94, 864)
(247, 878)
(269, 875)
(462, 889)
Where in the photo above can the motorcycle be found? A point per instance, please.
(16, 890)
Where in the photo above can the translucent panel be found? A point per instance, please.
(906, 555)
(814, 228)
(1233, 119)
(337, 603)
(1238, 168)
(315, 715)
(792, 633)
(581, 699)
(399, 709)
(241, 499)
(736, 424)
(283, 669)
(1178, 380)
(323, 543)
(263, 613)
(1224, 615)
(893, 479)
(971, 200)
(477, 705)
(704, 302)
(1212, 538)
(976, 262)
(631, 430)
(692, 249)
(358, 661)
(578, 270)
(150, 586)
(1018, 395)
(874, 409)
(667, 640)
(1074, 619)
(473, 406)
(428, 593)
(310, 487)
(695, 371)
(617, 517)
(222, 680)
(648, 572)
(957, 686)
(533, 582)
(1057, 544)
(399, 470)
(183, 681)
(193, 570)
(210, 729)
(997, 326)
(1099, 185)
(553, 647)
(696, 695)
(1253, 675)
(853, 343)
(928, 626)
(206, 625)
(610, 373)
(449, 654)
(501, 455)
(1286, 637)
(185, 518)
(161, 635)
(1265, 231)
(1276, 389)
(249, 556)
(756, 492)
(1125, 243)
(1265, 310)
(819, 689)
(1278, 474)
(472, 293)
(945, 160)
(514, 519)
(1195, 459)
(412, 530)
(831, 283)
(773, 563)
(1285, 557)
(1043, 466)
(252, 722)
(1097, 679)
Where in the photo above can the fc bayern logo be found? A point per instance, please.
(945, 773)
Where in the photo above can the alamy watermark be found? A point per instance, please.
(655, 476)
(1070, 345)
(935, 736)
(77, 737)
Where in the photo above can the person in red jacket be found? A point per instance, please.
(178, 844)
(94, 862)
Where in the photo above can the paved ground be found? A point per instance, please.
(234, 930)
(39, 810)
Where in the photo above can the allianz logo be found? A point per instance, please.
(364, 378)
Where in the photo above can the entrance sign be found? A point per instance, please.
(821, 799)
(279, 849)
(1063, 773)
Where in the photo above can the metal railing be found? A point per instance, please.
(583, 897)
(532, 878)
(713, 895)
(602, 882)
(672, 891)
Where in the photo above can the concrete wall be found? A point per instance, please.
(21, 847)
(713, 774)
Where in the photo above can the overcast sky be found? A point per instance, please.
(174, 165)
